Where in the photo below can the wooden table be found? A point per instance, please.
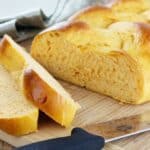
(139, 142)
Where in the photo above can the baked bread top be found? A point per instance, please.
(136, 6)
(121, 36)
(119, 10)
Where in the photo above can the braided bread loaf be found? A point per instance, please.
(94, 49)
(113, 61)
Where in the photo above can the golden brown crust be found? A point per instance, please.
(75, 25)
(145, 38)
(145, 29)
(91, 9)
(20, 125)
(68, 25)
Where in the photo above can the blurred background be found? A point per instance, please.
(14, 7)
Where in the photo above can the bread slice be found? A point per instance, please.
(38, 85)
(118, 10)
(17, 115)
(114, 61)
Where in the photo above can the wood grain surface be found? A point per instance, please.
(95, 108)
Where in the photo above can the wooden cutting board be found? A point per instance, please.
(95, 108)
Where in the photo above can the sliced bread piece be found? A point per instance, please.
(114, 61)
(38, 85)
(18, 116)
